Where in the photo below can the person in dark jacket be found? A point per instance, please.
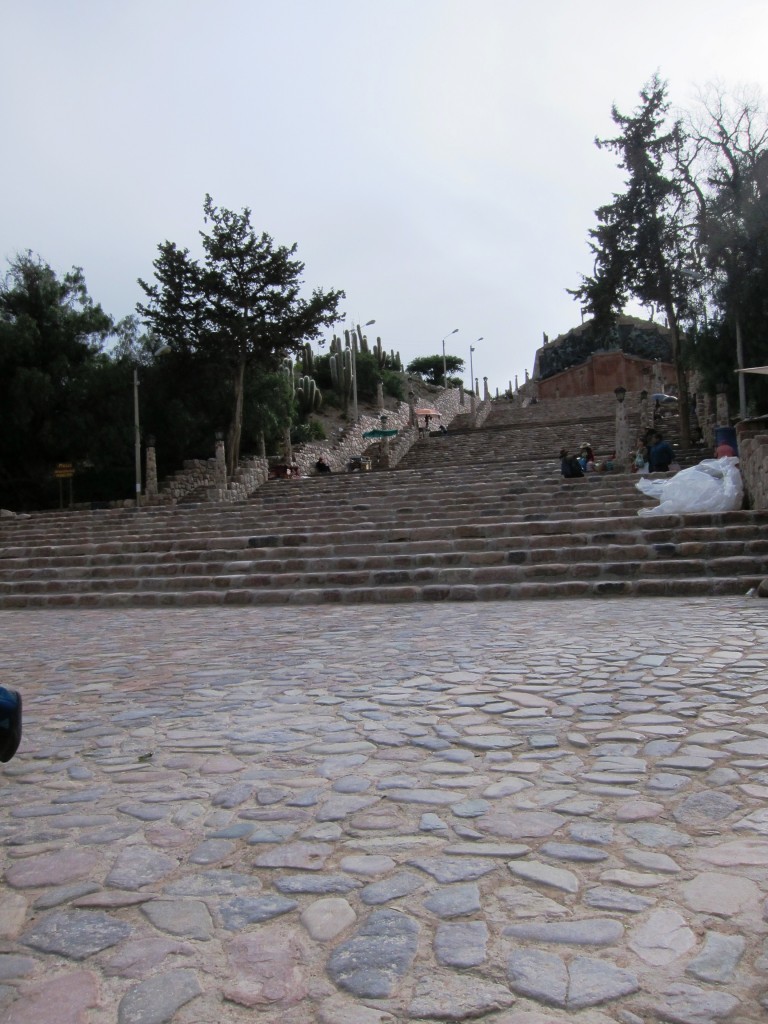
(660, 454)
(569, 464)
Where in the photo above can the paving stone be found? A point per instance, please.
(72, 993)
(367, 864)
(605, 897)
(593, 982)
(446, 869)
(402, 883)
(375, 960)
(704, 808)
(136, 866)
(452, 998)
(15, 966)
(526, 903)
(307, 856)
(136, 958)
(156, 1000)
(718, 959)
(539, 975)
(461, 944)
(244, 910)
(325, 919)
(188, 919)
(545, 874)
(76, 934)
(267, 968)
(454, 900)
(573, 851)
(664, 936)
(57, 868)
(688, 1004)
(713, 892)
(318, 885)
(586, 932)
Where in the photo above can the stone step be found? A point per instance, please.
(690, 586)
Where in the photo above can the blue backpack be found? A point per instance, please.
(10, 723)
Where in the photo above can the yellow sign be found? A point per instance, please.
(64, 470)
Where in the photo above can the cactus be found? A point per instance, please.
(287, 369)
(308, 396)
(340, 365)
(307, 360)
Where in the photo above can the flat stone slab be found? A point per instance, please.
(156, 1000)
(76, 934)
(375, 960)
(546, 978)
(451, 998)
(587, 932)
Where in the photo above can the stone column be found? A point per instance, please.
(722, 416)
(151, 468)
(379, 395)
(221, 463)
(461, 393)
(486, 393)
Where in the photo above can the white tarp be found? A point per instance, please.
(714, 485)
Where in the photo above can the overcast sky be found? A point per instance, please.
(433, 158)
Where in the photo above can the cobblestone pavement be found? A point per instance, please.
(514, 812)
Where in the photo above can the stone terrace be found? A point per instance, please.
(472, 515)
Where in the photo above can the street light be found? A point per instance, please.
(445, 372)
(354, 369)
(137, 436)
(471, 373)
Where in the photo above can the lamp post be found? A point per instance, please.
(136, 436)
(354, 367)
(622, 441)
(445, 372)
(471, 370)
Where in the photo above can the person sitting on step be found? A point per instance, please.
(660, 454)
(587, 457)
(569, 464)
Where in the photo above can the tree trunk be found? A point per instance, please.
(683, 405)
(236, 426)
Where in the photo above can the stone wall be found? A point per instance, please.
(200, 479)
(599, 374)
(753, 461)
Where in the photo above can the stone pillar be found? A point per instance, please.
(722, 415)
(486, 393)
(461, 393)
(221, 463)
(623, 440)
(151, 468)
(379, 395)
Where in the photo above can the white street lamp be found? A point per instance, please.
(471, 373)
(445, 372)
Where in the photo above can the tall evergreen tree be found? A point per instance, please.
(642, 244)
(51, 336)
(240, 307)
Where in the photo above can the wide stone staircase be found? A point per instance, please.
(472, 515)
